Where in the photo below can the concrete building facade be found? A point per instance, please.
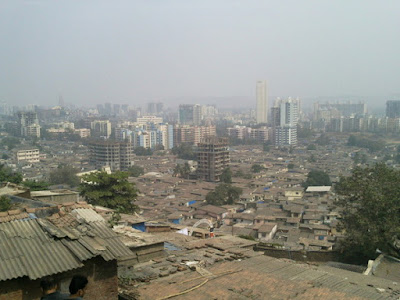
(116, 155)
(212, 157)
(285, 119)
(262, 102)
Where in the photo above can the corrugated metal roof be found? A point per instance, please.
(26, 250)
(41, 247)
(89, 215)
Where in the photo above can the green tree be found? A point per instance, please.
(256, 168)
(9, 142)
(159, 147)
(323, 140)
(109, 190)
(226, 176)
(370, 204)
(317, 178)
(267, 146)
(135, 171)
(312, 158)
(185, 171)
(36, 185)
(290, 166)
(239, 173)
(4, 156)
(141, 151)
(177, 170)
(356, 158)
(184, 151)
(182, 170)
(5, 203)
(224, 194)
(304, 132)
(311, 147)
(7, 175)
(64, 174)
(363, 142)
(364, 158)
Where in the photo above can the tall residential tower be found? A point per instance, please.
(262, 102)
(284, 121)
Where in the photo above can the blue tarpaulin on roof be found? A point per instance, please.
(191, 202)
(139, 226)
(266, 188)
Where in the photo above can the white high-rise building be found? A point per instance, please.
(262, 102)
(285, 118)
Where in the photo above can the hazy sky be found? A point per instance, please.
(139, 51)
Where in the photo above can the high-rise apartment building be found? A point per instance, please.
(212, 157)
(284, 121)
(28, 124)
(101, 128)
(262, 102)
(190, 114)
(393, 109)
(154, 108)
(116, 155)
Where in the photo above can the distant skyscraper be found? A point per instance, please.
(61, 101)
(28, 124)
(285, 118)
(154, 108)
(393, 109)
(108, 108)
(262, 102)
(190, 114)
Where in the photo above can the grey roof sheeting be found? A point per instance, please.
(37, 248)
(26, 250)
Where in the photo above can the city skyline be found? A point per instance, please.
(96, 52)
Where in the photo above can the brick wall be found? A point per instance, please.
(102, 276)
(317, 256)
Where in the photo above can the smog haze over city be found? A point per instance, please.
(203, 52)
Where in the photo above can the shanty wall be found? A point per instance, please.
(317, 256)
(102, 276)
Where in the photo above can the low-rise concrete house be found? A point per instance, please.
(267, 231)
(243, 218)
(216, 212)
(55, 196)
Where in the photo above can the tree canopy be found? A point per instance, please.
(323, 140)
(224, 194)
(363, 142)
(135, 171)
(5, 203)
(182, 170)
(109, 190)
(311, 147)
(141, 151)
(371, 212)
(256, 168)
(226, 176)
(7, 175)
(64, 174)
(36, 185)
(317, 178)
(9, 142)
(184, 151)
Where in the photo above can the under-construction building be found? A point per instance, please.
(116, 155)
(212, 157)
(28, 124)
